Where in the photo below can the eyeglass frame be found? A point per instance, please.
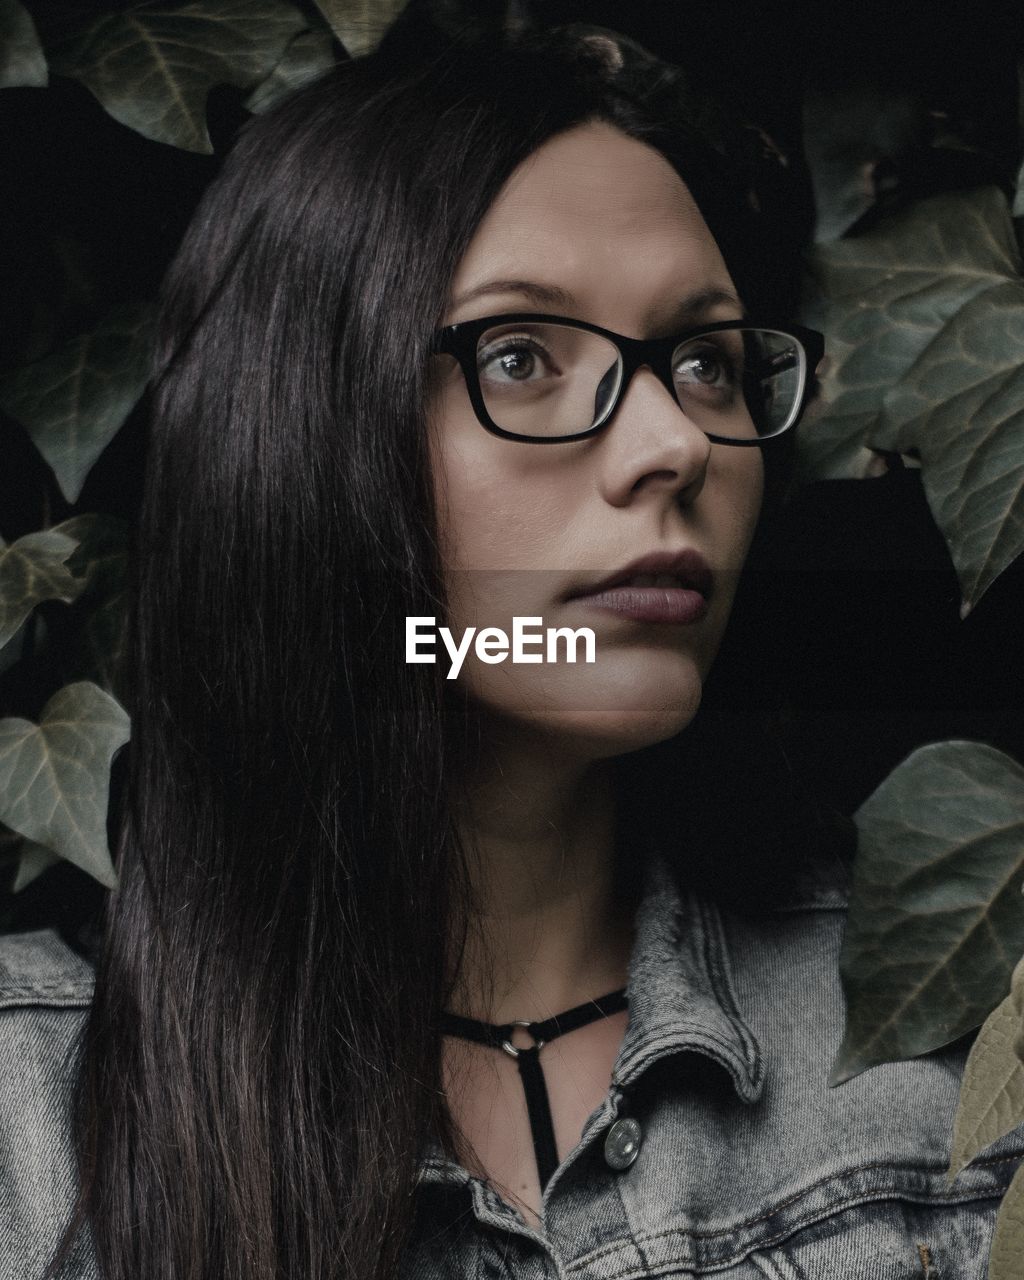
(460, 340)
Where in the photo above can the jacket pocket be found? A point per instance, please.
(891, 1239)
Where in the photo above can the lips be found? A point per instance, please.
(685, 568)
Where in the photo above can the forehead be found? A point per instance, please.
(603, 216)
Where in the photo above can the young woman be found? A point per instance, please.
(430, 977)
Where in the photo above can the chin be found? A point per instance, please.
(607, 715)
(598, 735)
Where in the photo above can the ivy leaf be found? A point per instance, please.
(925, 324)
(33, 569)
(55, 776)
(13, 651)
(74, 401)
(10, 846)
(153, 65)
(848, 132)
(308, 56)
(936, 921)
(22, 63)
(1008, 1237)
(991, 1099)
(962, 409)
(100, 564)
(34, 859)
(360, 24)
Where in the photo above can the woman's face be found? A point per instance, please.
(607, 220)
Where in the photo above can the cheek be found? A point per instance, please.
(500, 505)
(513, 520)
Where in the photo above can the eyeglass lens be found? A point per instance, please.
(541, 379)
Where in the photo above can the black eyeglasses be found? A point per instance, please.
(543, 378)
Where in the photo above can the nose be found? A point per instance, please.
(651, 445)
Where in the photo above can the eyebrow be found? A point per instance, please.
(552, 295)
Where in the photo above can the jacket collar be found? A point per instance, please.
(680, 990)
(680, 1000)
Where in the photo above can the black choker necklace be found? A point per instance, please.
(528, 1061)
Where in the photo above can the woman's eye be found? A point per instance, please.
(709, 367)
(515, 360)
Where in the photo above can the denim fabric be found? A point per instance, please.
(750, 1166)
(45, 991)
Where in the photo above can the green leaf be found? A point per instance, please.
(936, 922)
(153, 66)
(73, 401)
(848, 131)
(33, 569)
(992, 1091)
(10, 846)
(309, 55)
(51, 293)
(100, 563)
(22, 63)
(1008, 1237)
(962, 408)
(360, 24)
(34, 860)
(101, 545)
(13, 651)
(925, 320)
(55, 776)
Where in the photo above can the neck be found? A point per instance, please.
(548, 933)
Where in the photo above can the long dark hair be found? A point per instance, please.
(260, 1067)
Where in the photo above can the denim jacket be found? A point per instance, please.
(744, 1163)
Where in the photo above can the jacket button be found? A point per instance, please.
(622, 1143)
